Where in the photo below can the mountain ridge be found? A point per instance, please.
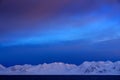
(58, 68)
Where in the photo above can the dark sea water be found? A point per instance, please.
(61, 77)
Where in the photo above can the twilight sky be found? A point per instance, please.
(72, 31)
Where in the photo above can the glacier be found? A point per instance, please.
(59, 68)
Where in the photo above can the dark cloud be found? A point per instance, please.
(45, 7)
(1, 1)
(26, 14)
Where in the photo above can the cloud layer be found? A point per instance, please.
(44, 21)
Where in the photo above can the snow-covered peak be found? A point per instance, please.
(2, 67)
(58, 68)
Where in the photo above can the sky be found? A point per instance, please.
(70, 31)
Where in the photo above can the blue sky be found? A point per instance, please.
(75, 30)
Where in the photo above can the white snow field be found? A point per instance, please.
(59, 68)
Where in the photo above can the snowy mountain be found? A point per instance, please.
(87, 68)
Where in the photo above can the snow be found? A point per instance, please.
(59, 68)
